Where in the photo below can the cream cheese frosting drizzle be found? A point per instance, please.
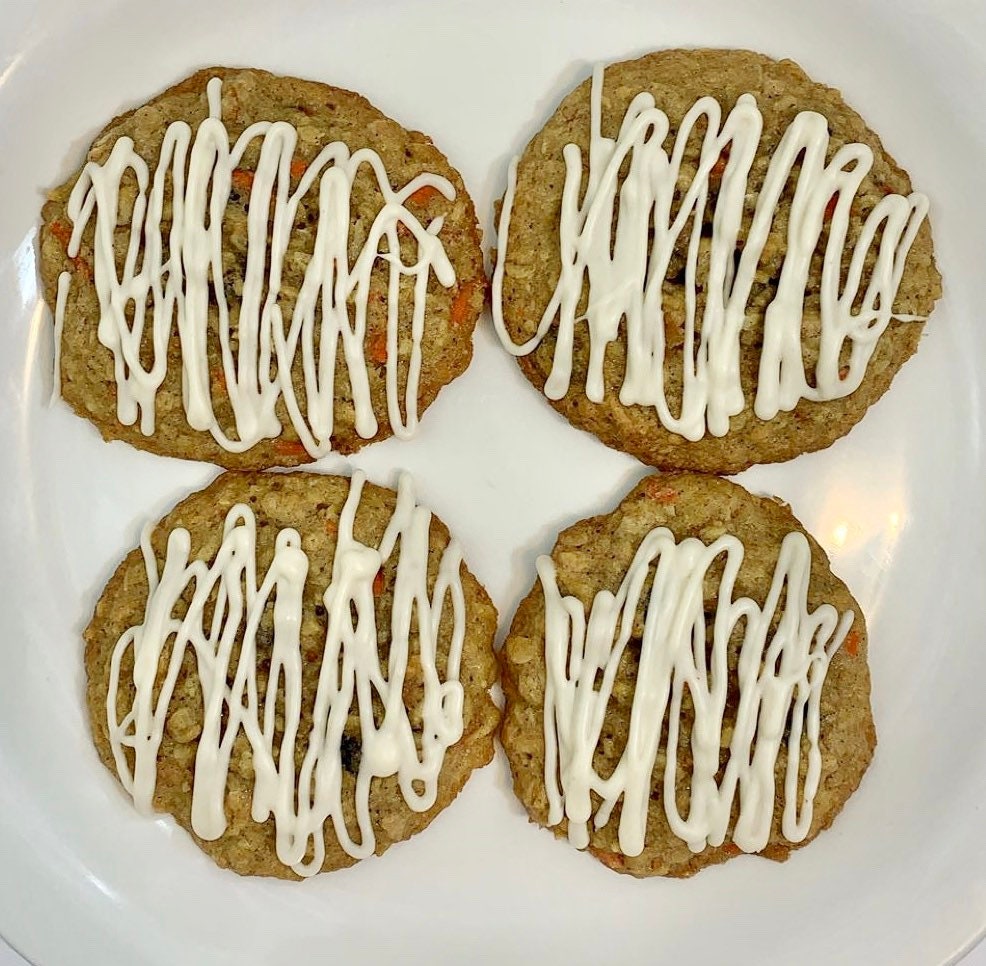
(301, 803)
(780, 675)
(626, 269)
(166, 281)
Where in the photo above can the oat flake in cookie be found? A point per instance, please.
(709, 260)
(686, 681)
(296, 667)
(255, 270)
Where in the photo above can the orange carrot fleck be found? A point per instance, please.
(843, 373)
(331, 526)
(298, 168)
(719, 168)
(62, 232)
(291, 448)
(852, 643)
(423, 195)
(219, 376)
(661, 492)
(378, 348)
(242, 179)
(830, 207)
(82, 267)
(378, 584)
(461, 304)
(731, 848)
(63, 235)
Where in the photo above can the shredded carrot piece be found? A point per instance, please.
(62, 232)
(830, 207)
(298, 168)
(378, 348)
(331, 526)
(378, 584)
(660, 491)
(731, 848)
(423, 195)
(461, 304)
(292, 448)
(719, 168)
(852, 643)
(219, 376)
(242, 179)
(843, 372)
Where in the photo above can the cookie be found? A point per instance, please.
(301, 686)
(708, 260)
(686, 681)
(255, 270)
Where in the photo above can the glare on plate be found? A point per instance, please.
(839, 533)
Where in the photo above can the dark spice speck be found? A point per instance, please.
(352, 753)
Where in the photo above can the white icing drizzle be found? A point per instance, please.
(170, 279)
(780, 680)
(625, 283)
(63, 284)
(300, 803)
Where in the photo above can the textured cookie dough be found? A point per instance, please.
(321, 114)
(310, 503)
(593, 555)
(677, 78)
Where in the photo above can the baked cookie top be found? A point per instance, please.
(254, 270)
(301, 685)
(686, 681)
(709, 260)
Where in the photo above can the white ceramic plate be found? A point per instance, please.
(901, 878)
